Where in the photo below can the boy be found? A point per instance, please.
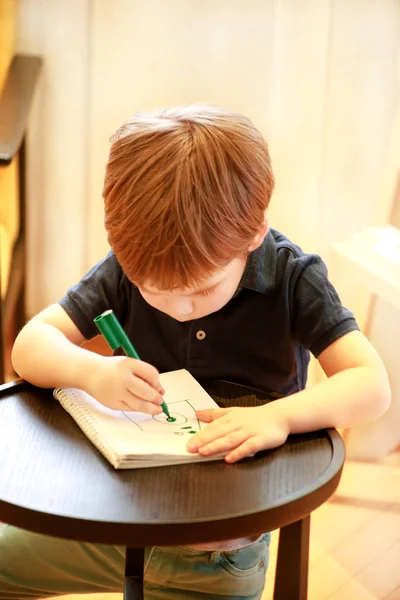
(199, 282)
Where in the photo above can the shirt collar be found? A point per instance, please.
(259, 274)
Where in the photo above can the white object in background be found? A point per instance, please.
(370, 262)
(373, 255)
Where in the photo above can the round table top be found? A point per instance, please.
(54, 481)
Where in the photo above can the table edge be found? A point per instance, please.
(121, 533)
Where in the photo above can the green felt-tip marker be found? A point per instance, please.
(114, 334)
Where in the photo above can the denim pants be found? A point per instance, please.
(37, 566)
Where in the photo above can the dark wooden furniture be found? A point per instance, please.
(53, 481)
(15, 104)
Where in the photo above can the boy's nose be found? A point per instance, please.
(182, 307)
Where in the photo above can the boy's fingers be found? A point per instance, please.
(223, 444)
(250, 446)
(149, 374)
(208, 435)
(135, 404)
(210, 414)
(139, 405)
(143, 390)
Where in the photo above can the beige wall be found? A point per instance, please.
(58, 151)
(319, 78)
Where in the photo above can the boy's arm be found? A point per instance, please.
(47, 353)
(357, 390)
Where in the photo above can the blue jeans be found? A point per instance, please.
(36, 566)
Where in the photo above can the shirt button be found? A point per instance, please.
(201, 334)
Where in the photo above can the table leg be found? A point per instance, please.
(291, 577)
(134, 567)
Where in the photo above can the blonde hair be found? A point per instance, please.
(185, 192)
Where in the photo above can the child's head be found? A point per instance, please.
(186, 190)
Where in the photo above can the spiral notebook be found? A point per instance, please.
(131, 440)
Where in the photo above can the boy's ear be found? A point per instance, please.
(258, 240)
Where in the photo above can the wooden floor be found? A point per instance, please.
(355, 538)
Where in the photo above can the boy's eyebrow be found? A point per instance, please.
(207, 288)
(198, 291)
(144, 288)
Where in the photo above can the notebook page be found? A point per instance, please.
(133, 433)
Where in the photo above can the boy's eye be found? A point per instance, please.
(207, 292)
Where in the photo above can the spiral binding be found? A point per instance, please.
(71, 402)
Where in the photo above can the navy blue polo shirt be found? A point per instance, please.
(283, 309)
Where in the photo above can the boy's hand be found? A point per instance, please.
(123, 383)
(240, 431)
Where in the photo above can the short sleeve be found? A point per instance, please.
(103, 287)
(318, 316)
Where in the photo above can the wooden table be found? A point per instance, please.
(54, 482)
